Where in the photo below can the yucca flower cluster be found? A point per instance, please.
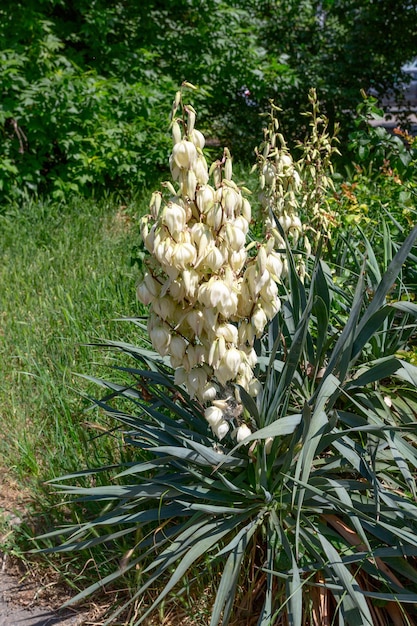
(280, 183)
(210, 293)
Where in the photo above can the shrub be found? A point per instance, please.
(311, 487)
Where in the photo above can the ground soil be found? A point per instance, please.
(28, 595)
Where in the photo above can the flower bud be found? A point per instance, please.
(229, 366)
(200, 170)
(190, 279)
(180, 376)
(259, 321)
(274, 265)
(197, 138)
(195, 320)
(242, 432)
(209, 392)
(184, 154)
(196, 381)
(143, 294)
(228, 331)
(254, 387)
(176, 132)
(221, 429)
(174, 218)
(235, 237)
(246, 210)
(215, 217)
(183, 254)
(205, 198)
(213, 415)
(237, 260)
(160, 337)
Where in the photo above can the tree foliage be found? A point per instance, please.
(84, 85)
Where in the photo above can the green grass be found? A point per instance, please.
(65, 275)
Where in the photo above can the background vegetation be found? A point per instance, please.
(85, 86)
(86, 89)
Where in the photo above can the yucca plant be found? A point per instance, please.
(311, 487)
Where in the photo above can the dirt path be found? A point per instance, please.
(25, 600)
(19, 607)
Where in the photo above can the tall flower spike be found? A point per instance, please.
(205, 309)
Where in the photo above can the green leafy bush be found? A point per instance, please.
(71, 131)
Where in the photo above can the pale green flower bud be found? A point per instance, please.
(228, 169)
(184, 154)
(268, 444)
(160, 337)
(242, 432)
(191, 119)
